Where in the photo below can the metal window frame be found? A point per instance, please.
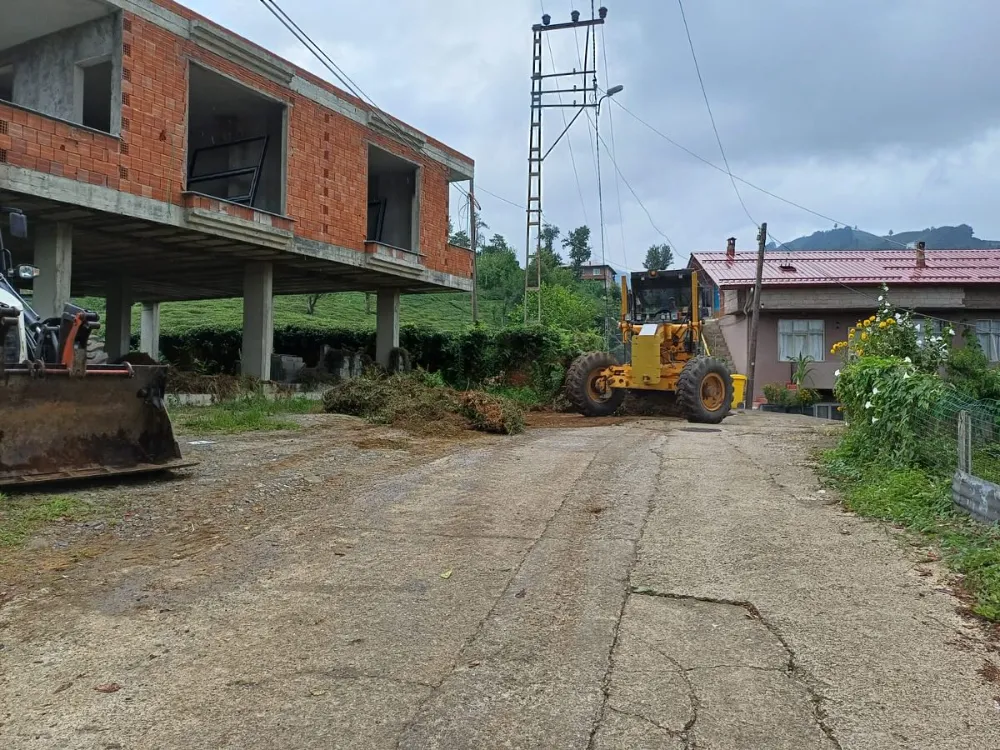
(249, 198)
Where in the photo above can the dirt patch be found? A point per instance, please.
(383, 444)
(990, 672)
(244, 484)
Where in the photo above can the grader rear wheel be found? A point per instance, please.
(705, 390)
(587, 388)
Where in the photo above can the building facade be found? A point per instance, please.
(162, 157)
(809, 301)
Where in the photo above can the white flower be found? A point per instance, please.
(951, 331)
(906, 376)
(875, 391)
(868, 404)
(881, 298)
(908, 360)
(874, 420)
(898, 317)
(836, 374)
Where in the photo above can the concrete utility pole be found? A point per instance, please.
(755, 320)
(474, 242)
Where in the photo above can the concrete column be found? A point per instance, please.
(149, 331)
(54, 259)
(386, 324)
(258, 320)
(118, 318)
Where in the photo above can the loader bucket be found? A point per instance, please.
(56, 426)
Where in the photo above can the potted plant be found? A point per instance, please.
(804, 400)
(777, 398)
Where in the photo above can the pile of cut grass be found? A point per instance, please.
(420, 404)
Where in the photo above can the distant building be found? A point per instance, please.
(809, 300)
(603, 273)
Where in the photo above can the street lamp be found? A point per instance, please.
(609, 93)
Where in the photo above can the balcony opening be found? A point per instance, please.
(63, 60)
(6, 82)
(93, 94)
(236, 148)
(393, 200)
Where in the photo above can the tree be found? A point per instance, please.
(499, 275)
(564, 307)
(658, 258)
(577, 245)
(461, 237)
(311, 301)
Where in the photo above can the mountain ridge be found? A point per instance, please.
(960, 237)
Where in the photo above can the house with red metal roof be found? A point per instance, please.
(809, 300)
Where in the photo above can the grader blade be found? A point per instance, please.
(56, 424)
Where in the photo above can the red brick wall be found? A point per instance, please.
(327, 160)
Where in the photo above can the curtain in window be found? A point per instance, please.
(988, 333)
(801, 337)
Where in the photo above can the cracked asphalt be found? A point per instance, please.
(634, 586)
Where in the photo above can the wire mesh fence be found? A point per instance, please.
(957, 432)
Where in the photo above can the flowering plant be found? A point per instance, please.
(890, 333)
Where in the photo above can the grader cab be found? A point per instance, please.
(661, 324)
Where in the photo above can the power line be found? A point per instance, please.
(746, 182)
(637, 198)
(327, 62)
(708, 106)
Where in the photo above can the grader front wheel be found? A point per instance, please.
(705, 390)
(587, 388)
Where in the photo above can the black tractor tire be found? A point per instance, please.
(579, 389)
(699, 387)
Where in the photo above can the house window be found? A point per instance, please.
(798, 338)
(925, 328)
(988, 335)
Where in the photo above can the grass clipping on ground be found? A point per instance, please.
(416, 403)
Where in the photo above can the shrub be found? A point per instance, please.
(888, 404)
(536, 355)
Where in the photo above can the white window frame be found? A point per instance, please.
(797, 336)
(988, 336)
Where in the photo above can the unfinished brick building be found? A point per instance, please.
(161, 157)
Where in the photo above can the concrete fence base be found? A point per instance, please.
(979, 498)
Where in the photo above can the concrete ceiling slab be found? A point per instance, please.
(24, 20)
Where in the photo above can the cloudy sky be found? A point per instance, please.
(884, 115)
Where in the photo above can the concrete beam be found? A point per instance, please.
(258, 320)
(118, 318)
(386, 324)
(54, 259)
(149, 331)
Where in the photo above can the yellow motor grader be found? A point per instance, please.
(661, 324)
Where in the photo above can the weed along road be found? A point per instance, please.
(635, 585)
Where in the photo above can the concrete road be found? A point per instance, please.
(638, 586)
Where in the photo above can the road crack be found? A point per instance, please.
(633, 560)
(792, 669)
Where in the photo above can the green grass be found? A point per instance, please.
(920, 502)
(442, 312)
(244, 414)
(22, 518)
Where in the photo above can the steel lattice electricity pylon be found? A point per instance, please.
(541, 99)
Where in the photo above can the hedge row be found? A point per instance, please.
(535, 355)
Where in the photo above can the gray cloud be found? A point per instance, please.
(877, 114)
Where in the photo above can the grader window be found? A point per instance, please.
(662, 298)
